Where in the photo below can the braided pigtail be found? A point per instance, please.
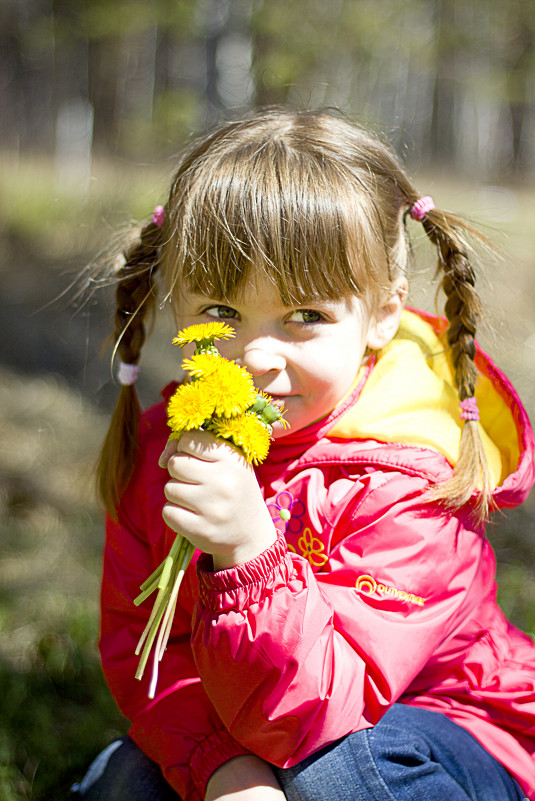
(462, 309)
(135, 301)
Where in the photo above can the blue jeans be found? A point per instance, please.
(410, 755)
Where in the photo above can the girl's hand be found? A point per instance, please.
(214, 499)
(244, 778)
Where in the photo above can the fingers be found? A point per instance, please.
(167, 452)
(195, 443)
(193, 461)
(210, 485)
(183, 520)
(198, 444)
(204, 445)
(180, 495)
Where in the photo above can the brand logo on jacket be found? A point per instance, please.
(367, 585)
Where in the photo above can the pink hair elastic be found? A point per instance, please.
(127, 374)
(421, 207)
(158, 216)
(469, 410)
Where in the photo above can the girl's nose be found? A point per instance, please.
(262, 358)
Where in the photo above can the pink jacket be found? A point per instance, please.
(369, 596)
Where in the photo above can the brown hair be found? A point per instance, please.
(288, 192)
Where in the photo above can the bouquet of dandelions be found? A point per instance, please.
(220, 397)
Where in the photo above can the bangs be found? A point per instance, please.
(303, 221)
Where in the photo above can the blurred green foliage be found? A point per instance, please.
(56, 712)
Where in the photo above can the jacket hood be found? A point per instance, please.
(410, 399)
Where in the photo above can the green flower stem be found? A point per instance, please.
(156, 580)
(270, 414)
(167, 621)
(149, 589)
(149, 635)
(166, 572)
(182, 563)
(152, 579)
(206, 346)
(167, 579)
(259, 405)
(163, 580)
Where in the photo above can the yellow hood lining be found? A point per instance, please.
(410, 398)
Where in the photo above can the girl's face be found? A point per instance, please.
(306, 356)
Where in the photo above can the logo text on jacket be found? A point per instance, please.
(367, 585)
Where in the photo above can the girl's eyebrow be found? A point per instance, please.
(315, 303)
(298, 303)
(200, 296)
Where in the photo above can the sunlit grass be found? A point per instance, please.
(68, 216)
(56, 710)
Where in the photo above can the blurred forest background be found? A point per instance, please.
(97, 96)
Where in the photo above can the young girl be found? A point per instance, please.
(337, 635)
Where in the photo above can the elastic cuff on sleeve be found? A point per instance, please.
(238, 587)
(213, 752)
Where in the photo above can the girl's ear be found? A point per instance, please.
(385, 320)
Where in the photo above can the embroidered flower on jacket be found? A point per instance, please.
(286, 508)
(312, 548)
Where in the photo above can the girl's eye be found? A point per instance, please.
(306, 316)
(222, 312)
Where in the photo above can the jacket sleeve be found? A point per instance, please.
(309, 657)
(179, 729)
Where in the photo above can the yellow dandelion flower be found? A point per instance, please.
(230, 387)
(202, 365)
(189, 407)
(247, 432)
(204, 334)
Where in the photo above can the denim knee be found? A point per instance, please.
(122, 772)
(410, 753)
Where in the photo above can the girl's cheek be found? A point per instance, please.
(186, 352)
(230, 349)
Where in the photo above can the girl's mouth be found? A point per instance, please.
(280, 398)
